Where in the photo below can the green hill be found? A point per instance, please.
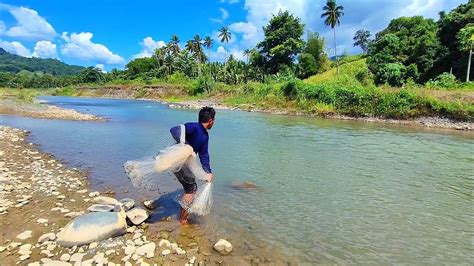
(15, 63)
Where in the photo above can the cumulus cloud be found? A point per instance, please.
(15, 48)
(30, 25)
(101, 67)
(148, 47)
(80, 46)
(45, 49)
(224, 16)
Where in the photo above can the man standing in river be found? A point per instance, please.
(197, 136)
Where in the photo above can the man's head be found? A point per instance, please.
(206, 117)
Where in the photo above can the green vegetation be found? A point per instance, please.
(403, 73)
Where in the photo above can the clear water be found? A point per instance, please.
(328, 191)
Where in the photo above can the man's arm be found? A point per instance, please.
(204, 158)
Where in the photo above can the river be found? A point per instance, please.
(327, 191)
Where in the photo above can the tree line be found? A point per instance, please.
(412, 49)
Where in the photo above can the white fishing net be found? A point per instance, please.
(202, 202)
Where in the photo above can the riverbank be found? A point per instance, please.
(39, 195)
(44, 111)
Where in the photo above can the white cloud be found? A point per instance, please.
(221, 49)
(224, 16)
(80, 46)
(148, 47)
(15, 48)
(230, 1)
(30, 25)
(101, 67)
(248, 30)
(45, 49)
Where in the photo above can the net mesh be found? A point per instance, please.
(202, 201)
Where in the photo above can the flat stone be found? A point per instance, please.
(46, 252)
(129, 250)
(65, 257)
(100, 208)
(127, 203)
(24, 257)
(104, 200)
(147, 249)
(25, 249)
(2, 248)
(25, 235)
(51, 247)
(34, 264)
(164, 242)
(42, 221)
(46, 237)
(137, 215)
(223, 246)
(57, 263)
(148, 204)
(93, 245)
(109, 252)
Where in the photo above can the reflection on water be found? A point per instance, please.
(327, 190)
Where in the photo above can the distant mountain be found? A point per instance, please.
(14, 63)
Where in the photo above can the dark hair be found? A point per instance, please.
(206, 114)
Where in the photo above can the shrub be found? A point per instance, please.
(444, 80)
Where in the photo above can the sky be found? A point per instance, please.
(109, 33)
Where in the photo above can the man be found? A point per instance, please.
(197, 137)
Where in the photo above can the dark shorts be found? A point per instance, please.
(189, 183)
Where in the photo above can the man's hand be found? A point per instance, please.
(209, 177)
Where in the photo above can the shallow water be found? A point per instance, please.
(327, 190)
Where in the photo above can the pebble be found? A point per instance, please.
(147, 249)
(148, 204)
(65, 257)
(127, 203)
(223, 246)
(165, 242)
(94, 194)
(2, 248)
(129, 250)
(46, 252)
(104, 200)
(42, 221)
(137, 215)
(51, 247)
(24, 257)
(77, 257)
(34, 264)
(100, 208)
(46, 237)
(93, 245)
(25, 249)
(109, 252)
(25, 235)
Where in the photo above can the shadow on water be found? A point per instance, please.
(167, 206)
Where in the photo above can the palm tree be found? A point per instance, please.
(208, 44)
(247, 53)
(332, 13)
(190, 46)
(174, 44)
(199, 55)
(225, 36)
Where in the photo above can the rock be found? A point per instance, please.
(42, 221)
(2, 249)
(192, 260)
(147, 249)
(137, 215)
(51, 247)
(165, 242)
(129, 250)
(46, 252)
(148, 204)
(223, 246)
(65, 257)
(77, 257)
(93, 245)
(165, 252)
(104, 200)
(180, 251)
(100, 259)
(127, 203)
(24, 257)
(131, 229)
(34, 264)
(57, 263)
(46, 237)
(138, 242)
(25, 249)
(24, 235)
(94, 194)
(100, 208)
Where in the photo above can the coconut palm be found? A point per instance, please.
(225, 36)
(247, 53)
(208, 44)
(173, 45)
(189, 46)
(332, 13)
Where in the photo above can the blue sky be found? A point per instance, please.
(109, 33)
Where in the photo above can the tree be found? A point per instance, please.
(453, 59)
(173, 45)
(197, 51)
(362, 39)
(466, 43)
(385, 50)
(282, 41)
(306, 66)
(208, 44)
(225, 36)
(247, 53)
(141, 65)
(91, 75)
(333, 13)
(315, 46)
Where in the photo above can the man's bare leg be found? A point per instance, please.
(183, 213)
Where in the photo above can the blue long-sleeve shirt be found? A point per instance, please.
(198, 138)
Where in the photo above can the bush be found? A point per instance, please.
(444, 80)
(307, 66)
(365, 77)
